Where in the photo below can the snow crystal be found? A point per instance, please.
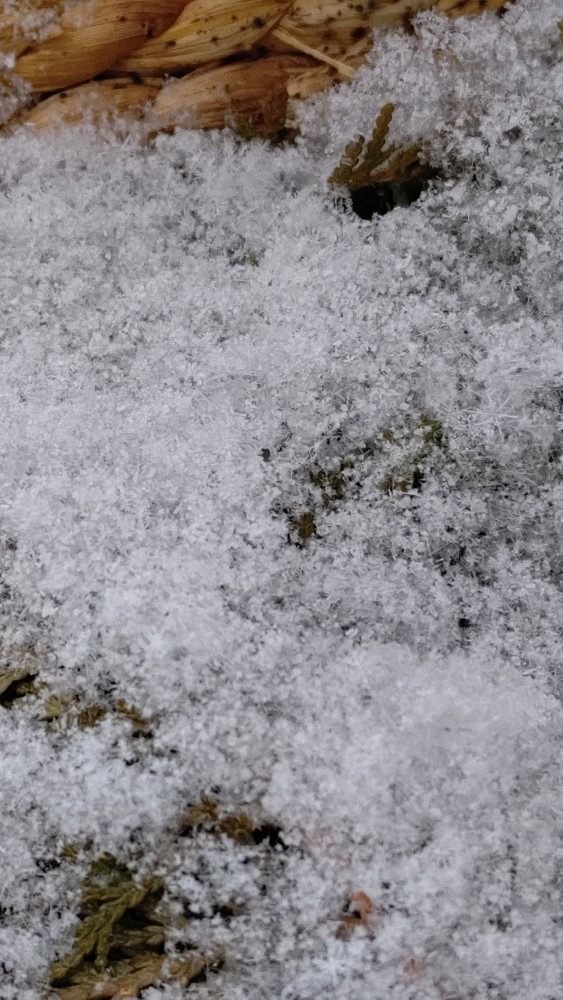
(288, 485)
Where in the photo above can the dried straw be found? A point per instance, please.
(239, 60)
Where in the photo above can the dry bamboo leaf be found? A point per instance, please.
(469, 8)
(246, 95)
(394, 13)
(94, 35)
(110, 101)
(206, 31)
(23, 22)
(312, 81)
(141, 36)
(331, 27)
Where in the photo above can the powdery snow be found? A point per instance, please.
(199, 347)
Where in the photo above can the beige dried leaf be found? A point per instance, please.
(95, 35)
(23, 22)
(245, 95)
(113, 101)
(330, 27)
(207, 30)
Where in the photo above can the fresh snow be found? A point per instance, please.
(190, 331)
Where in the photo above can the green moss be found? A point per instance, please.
(333, 483)
(433, 431)
(420, 445)
(117, 915)
(240, 253)
(407, 456)
(119, 945)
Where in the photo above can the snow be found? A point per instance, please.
(190, 331)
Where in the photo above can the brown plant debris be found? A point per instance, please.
(359, 910)
(138, 721)
(18, 672)
(239, 826)
(68, 706)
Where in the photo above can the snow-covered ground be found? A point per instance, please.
(216, 386)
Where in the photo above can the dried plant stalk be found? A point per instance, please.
(207, 30)
(56, 51)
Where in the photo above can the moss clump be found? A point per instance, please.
(92, 714)
(116, 915)
(405, 456)
(302, 527)
(421, 444)
(240, 253)
(119, 944)
(333, 483)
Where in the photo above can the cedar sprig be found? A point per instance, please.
(370, 161)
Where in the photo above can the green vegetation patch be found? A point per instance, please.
(398, 459)
(119, 945)
(379, 176)
(372, 161)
